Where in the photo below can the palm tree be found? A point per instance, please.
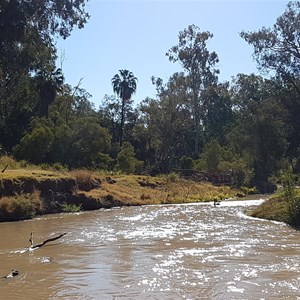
(124, 85)
(49, 82)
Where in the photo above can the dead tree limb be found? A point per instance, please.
(13, 273)
(32, 246)
(2, 171)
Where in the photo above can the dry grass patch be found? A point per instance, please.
(82, 176)
(128, 190)
(272, 209)
(84, 179)
(152, 190)
(27, 173)
(188, 191)
(24, 206)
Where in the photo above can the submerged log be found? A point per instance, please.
(32, 246)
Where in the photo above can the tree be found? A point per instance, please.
(218, 115)
(168, 123)
(35, 145)
(278, 48)
(88, 140)
(28, 30)
(124, 85)
(109, 115)
(126, 161)
(27, 33)
(199, 65)
(260, 133)
(48, 82)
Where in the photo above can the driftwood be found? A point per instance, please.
(32, 246)
(13, 273)
(2, 171)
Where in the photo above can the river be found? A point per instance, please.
(193, 251)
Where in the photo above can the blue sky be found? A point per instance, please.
(136, 35)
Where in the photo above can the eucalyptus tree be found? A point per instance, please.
(218, 114)
(124, 85)
(278, 48)
(200, 67)
(168, 123)
(260, 133)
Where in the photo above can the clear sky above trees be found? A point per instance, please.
(136, 35)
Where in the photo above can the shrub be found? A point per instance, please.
(59, 167)
(7, 160)
(291, 197)
(138, 166)
(102, 161)
(172, 177)
(126, 162)
(24, 206)
(186, 162)
(45, 166)
(70, 208)
(35, 146)
(213, 155)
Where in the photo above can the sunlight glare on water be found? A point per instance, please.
(194, 251)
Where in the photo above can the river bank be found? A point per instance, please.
(26, 193)
(280, 208)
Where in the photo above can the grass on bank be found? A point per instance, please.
(284, 206)
(19, 207)
(139, 190)
(101, 188)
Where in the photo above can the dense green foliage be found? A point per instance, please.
(284, 205)
(247, 129)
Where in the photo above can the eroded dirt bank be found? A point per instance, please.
(29, 193)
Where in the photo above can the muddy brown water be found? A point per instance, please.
(194, 251)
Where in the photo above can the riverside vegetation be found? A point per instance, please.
(246, 130)
(27, 191)
(284, 205)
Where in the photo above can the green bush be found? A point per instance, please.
(59, 167)
(213, 156)
(126, 161)
(222, 159)
(186, 162)
(102, 161)
(291, 196)
(35, 145)
(70, 208)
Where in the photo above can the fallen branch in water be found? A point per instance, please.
(32, 246)
(13, 273)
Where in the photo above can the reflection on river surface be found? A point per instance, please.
(193, 251)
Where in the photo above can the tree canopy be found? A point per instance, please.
(246, 130)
